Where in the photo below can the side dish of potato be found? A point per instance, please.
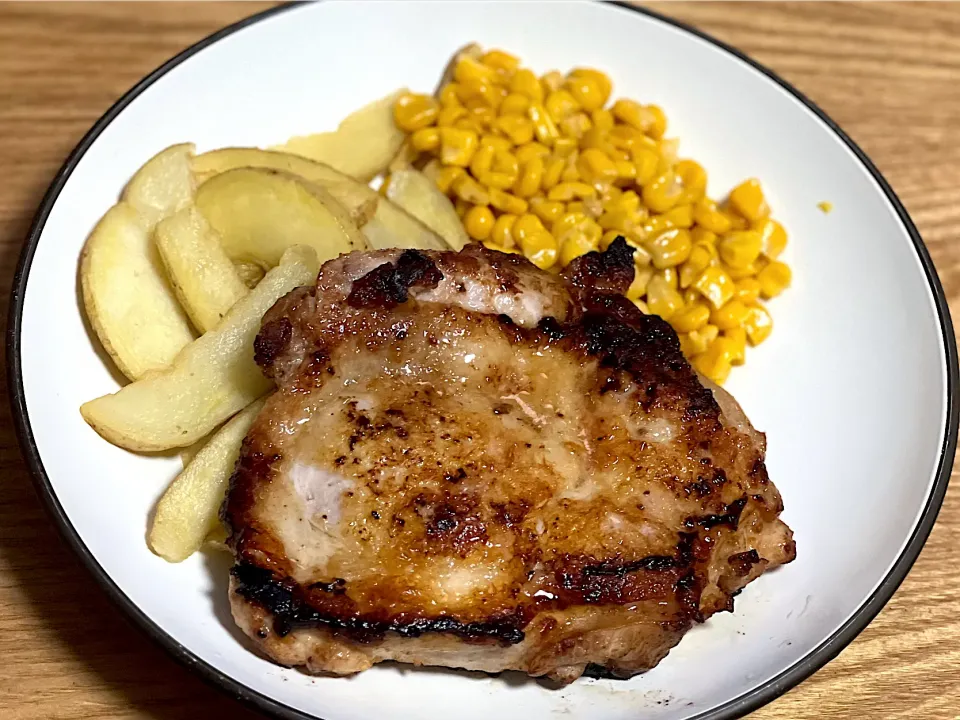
(177, 276)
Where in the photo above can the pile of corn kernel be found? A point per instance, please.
(544, 167)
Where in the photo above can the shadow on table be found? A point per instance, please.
(64, 608)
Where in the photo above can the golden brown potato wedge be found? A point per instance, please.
(359, 199)
(419, 196)
(203, 277)
(126, 296)
(259, 213)
(163, 185)
(383, 224)
(213, 378)
(187, 512)
(361, 147)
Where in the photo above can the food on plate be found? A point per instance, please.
(260, 212)
(419, 196)
(472, 462)
(163, 185)
(188, 511)
(205, 280)
(361, 147)
(211, 379)
(126, 295)
(554, 167)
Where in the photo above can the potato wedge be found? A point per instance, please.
(188, 510)
(127, 298)
(359, 199)
(259, 213)
(419, 196)
(203, 277)
(383, 224)
(163, 185)
(213, 378)
(361, 147)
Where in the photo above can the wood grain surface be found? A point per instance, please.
(888, 73)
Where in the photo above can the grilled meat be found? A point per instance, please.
(473, 463)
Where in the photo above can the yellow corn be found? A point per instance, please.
(586, 91)
(500, 60)
(602, 80)
(549, 211)
(526, 225)
(467, 68)
(518, 129)
(740, 249)
(699, 340)
(680, 216)
(574, 246)
(469, 190)
(596, 167)
(603, 120)
(457, 146)
(503, 171)
(496, 142)
(641, 279)
(461, 206)
(774, 279)
(715, 362)
(474, 92)
(499, 248)
(758, 324)
(482, 160)
(567, 191)
(731, 315)
(702, 255)
(449, 96)
(564, 147)
(646, 162)
(741, 273)
(514, 104)
(413, 111)
(662, 193)
(531, 175)
(570, 173)
(543, 126)
(670, 276)
(502, 233)
(450, 115)
(748, 290)
(551, 81)
(552, 170)
(715, 285)
(446, 175)
(670, 248)
(747, 199)
(738, 344)
(577, 207)
(631, 113)
(559, 104)
(737, 221)
(574, 126)
(608, 237)
(707, 216)
(773, 237)
(539, 248)
(478, 222)
(526, 83)
(693, 178)
(662, 299)
(530, 150)
(692, 317)
(505, 202)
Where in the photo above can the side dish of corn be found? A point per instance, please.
(549, 167)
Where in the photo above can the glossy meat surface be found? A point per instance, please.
(470, 462)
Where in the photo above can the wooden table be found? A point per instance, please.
(888, 73)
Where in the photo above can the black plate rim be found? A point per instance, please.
(736, 708)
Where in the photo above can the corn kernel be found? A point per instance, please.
(482, 160)
(505, 202)
(526, 226)
(577, 207)
(670, 248)
(747, 199)
(502, 233)
(692, 317)
(595, 166)
(413, 111)
(758, 325)
(500, 60)
(526, 83)
(699, 340)
(530, 150)
(543, 125)
(540, 248)
(662, 299)
(671, 276)
(425, 139)
(570, 173)
(740, 249)
(519, 130)
(693, 178)
(774, 279)
(702, 255)
(559, 104)
(680, 216)
(564, 147)
(602, 120)
(658, 121)
(738, 344)
(586, 91)
(731, 315)
(574, 246)
(551, 81)
(482, 117)
(706, 214)
(549, 211)
(608, 237)
(737, 221)
(625, 137)
(446, 175)
(469, 190)
(514, 104)
(449, 96)
(642, 306)
(661, 193)
(503, 171)
(575, 125)
(646, 162)
(531, 174)
(595, 138)
(715, 285)
(641, 279)
(626, 171)
(457, 146)
(552, 171)
(748, 290)
(715, 362)
(478, 222)
(468, 68)
(602, 80)
(495, 141)
(567, 191)
(499, 248)
(631, 113)
(747, 271)
(774, 237)
(475, 92)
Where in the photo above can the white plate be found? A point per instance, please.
(854, 388)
